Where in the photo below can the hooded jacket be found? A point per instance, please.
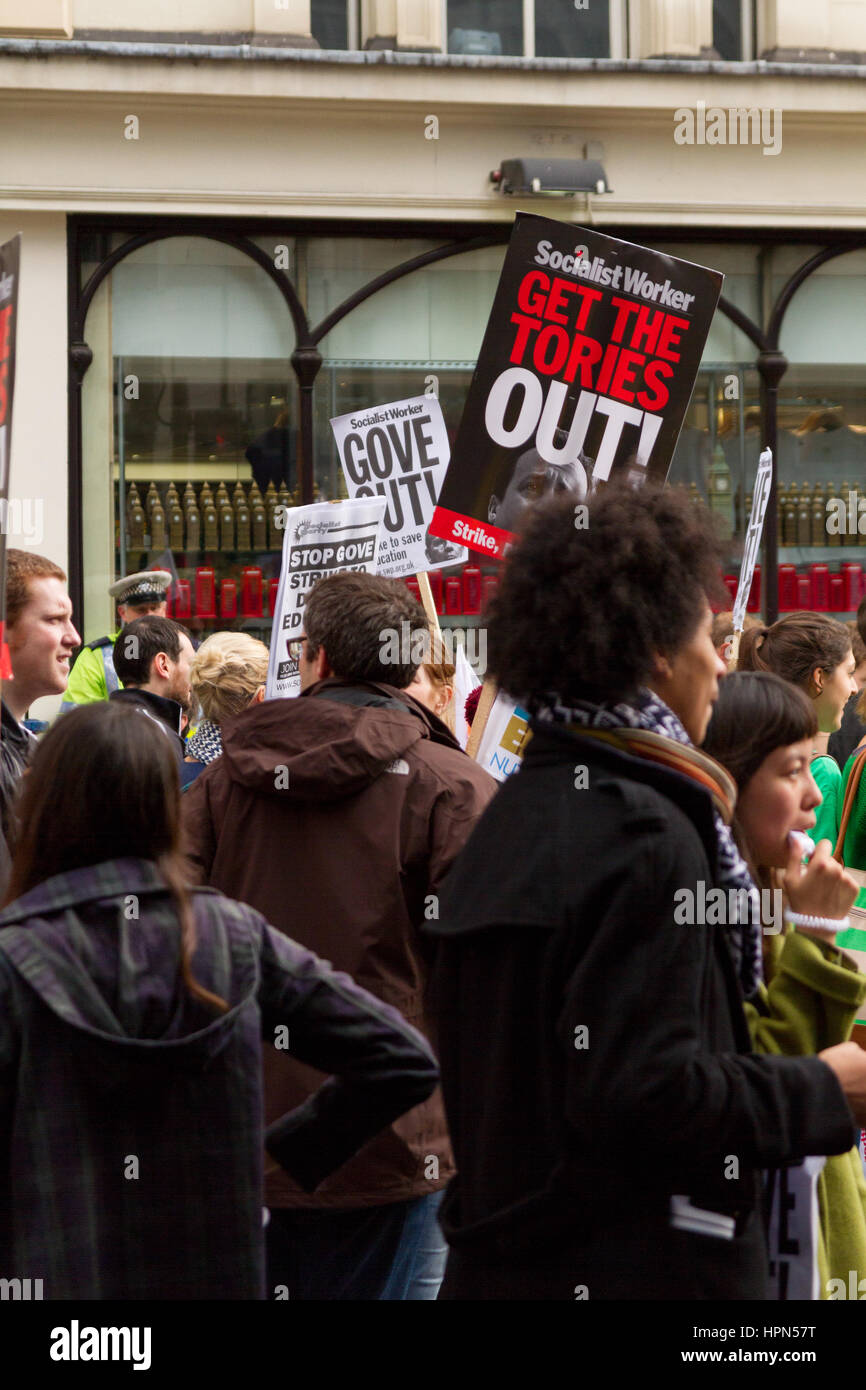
(130, 1113)
(615, 1080)
(336, 815)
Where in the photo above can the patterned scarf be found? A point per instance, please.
(206, 743)
(649, 713)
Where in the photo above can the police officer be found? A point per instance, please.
(93, 676)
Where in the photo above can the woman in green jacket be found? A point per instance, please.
(762, 732)
(812, 651)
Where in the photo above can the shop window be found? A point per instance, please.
(490, 28)
(191, 343)
(728, 29)
(334, 23)
(562, 30)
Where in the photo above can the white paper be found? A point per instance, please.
(319, 540)
(400, 452)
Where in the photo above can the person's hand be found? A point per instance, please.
(820, 888)
(848, 1062)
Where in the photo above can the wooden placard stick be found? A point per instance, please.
(482, 714)
(423, 581)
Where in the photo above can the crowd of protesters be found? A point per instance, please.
(243, 941)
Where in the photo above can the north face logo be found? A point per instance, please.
(400, 766)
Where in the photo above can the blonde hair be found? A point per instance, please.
(227, 670)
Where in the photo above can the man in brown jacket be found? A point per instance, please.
(336, 815)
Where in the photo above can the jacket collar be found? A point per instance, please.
(167, 711)
(555, 742)
(111, 879)
(377, 694)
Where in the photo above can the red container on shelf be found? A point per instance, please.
(412, 586)
(228, 599)
(489, 585)
(753, 602)
(251, 592)
(169, 601)
(837, 593)
(819, 579)
(471, 589)
(273, 590)
(205, 592)
(435, 577)
(183, 601)
(453, 595)
(788, 600)
(804, 591)
(852, 577)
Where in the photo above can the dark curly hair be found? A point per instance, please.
(582, 610)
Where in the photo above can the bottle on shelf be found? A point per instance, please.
(152, 499)
(171, 497)
(287, 499)
(205, 496)
(222, 496)
(275, 532)
(720, 496)
(835, 536)
(209, 521)
(804, 520)
(819, 517)
(242, 519)
(789, 521)
(192, 516)
(136, 519)
(227, 523)
(189, 496)
(175, 522)
(158, 536)
(259, 519)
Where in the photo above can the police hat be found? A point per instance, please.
(148, 586)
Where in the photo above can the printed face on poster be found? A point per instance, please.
(320, 540)
(585, 373)
(400, 452)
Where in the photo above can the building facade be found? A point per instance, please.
(244, 217)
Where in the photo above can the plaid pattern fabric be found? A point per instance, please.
(131, 1115)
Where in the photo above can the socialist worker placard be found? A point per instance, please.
(585, 373)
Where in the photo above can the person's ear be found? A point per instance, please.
(259, 696)
(818, 680)
(160, 665)
(662, 669)
(493, 508)
(443, 699)
(321, 665)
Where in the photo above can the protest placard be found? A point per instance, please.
(10, 258)
(319, 540)
(760, 498)
(400, 451)
(585, 372)
(504, 737)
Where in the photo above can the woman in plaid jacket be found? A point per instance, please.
(132, 1015)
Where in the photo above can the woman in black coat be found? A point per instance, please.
(611, 1123)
